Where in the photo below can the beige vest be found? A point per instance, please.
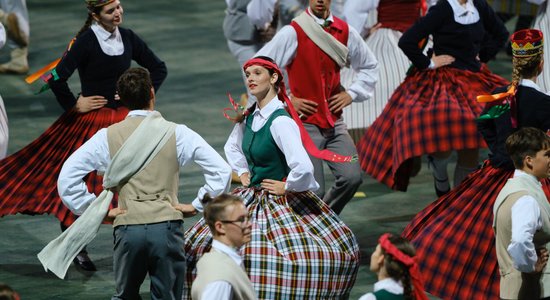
(217, 266)
(150, 194)
(513, 281)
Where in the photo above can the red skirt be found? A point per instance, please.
(28, 178)
(431, 111)
(454, 238)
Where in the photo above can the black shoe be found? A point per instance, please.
(84, 262)
(439, 192)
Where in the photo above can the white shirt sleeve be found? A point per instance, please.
(282, 48)
(356, 12)
(286, 135)
(233, 150)
(365, 64)
(217, 173)
(536, 2)
(92, 155)
(368, 296)
(2, 36)
(260, 12)
(217, 290)
(525, 222)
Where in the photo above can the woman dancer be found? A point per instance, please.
(433, 111)
(300, 249)
(454, 236)
(101, 52)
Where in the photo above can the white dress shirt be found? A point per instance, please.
(222, 290)
(260, 12)
(282, 49)
(110, 42)
(526, 220)
(356, 12)
(286, 134)
(2, 36)
(388, 284)
(94, 155)
(464, 14)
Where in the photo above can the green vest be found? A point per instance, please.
(265, 160)
(385, 295)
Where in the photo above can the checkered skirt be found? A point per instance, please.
(28, 178)
(431, 111)
(300, 249)
(454, 238)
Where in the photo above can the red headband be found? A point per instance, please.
(306, 139)
(409, 262)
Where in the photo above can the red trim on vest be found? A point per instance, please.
(313, 75)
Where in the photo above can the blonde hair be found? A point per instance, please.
(525, 67)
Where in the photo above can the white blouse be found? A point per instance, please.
(110, 42)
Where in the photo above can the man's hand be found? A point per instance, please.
(337, 102)
(188, 210)
(304, 107)
(274, 187)
(86, 104)
(442, 60)
(542, 259)
(245, 179)
(113, 213)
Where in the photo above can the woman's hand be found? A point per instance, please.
(113, 213)
(188, 210)
(274, 187)
(442, 60)
(245, 179)
(86, 104)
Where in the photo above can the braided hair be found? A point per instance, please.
(397, 270)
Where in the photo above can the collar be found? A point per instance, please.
(466, 14)
(103, 34)
(319, 20)
(229, 251)
(267, 110)
(390, 285)
(518, 173)
(530, 83)
(139, 113)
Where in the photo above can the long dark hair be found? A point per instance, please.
(91, 10)
(397, 270)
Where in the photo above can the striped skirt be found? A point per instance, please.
(431, 111)
(300, 249)
(454, 238)
(28, 178)
(542, 22)
(4, 133)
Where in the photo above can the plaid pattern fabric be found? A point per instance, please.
(300, 249)
(454, 238)
(431, 111)
(28, 178)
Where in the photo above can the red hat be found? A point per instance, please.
(527, 42)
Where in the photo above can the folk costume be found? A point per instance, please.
(455, 232)
(15, 18)
(542, 22)
(4, 132)
(28, 177)
(299, 247)
(306, 48)
(434, 110)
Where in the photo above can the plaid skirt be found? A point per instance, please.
(300, 249)
(431, 111)
(454, 238)
(28, 178)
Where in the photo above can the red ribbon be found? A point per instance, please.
(306, 139)
(410, 262)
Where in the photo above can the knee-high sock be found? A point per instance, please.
(461, 173)
(439, 171)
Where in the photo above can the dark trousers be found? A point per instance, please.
(156, 249)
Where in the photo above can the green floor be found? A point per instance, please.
(187, 35)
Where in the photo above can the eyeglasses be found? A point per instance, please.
(241, 220)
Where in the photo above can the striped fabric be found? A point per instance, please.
(431, 111)
(542, 22)
(454, 238)
(4, 133)
(300, 249)
(513, 7)
(28, 178)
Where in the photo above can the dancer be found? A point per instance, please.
(522, 218)
(295, 235)
(101, 52)
(15, 17)
(394, 263)
(433, 111)
(316, 92)
(148, 223)
(4, 132)
(220, 275)
(453, 236)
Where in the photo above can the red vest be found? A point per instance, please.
(313, 75)
(398, 14)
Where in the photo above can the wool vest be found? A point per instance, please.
(511, 280)
(313, 75)
(149, 195)
(265, 159)
(216, 266)
(385, 295)
(236, 24)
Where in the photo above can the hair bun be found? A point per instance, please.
(206, 199)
